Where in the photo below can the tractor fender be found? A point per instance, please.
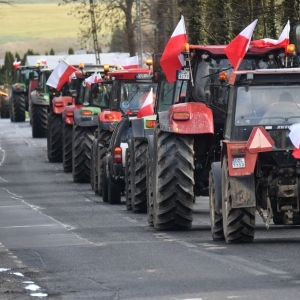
(229, 148)
(110, 116)
(59, 103)
(19, 88)
(85, 121)
(187, 118)
(43, 99)
(139, 127)
(217, 175)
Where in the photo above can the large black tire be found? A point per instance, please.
(127, 180)
(104, 182)
(82, 142)
(238, 223)
(18, 104)
(39, 117)
(104, 135)
(149, 174)
(54, 138)
(173, 180)
(5, 112)
(215, 196)
(114, 191)
(67, 133)
(94, 171)
(138, 152)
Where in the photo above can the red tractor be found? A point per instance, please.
(258, 170)
(188, 133)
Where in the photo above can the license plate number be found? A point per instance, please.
(183, 75)
(238, 163)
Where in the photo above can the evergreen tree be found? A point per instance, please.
(71, 51)
(52, 52)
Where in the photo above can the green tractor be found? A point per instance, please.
(25, 80)
(39, 104)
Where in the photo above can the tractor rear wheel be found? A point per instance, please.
(5, 112)
(149, 190)
(137, 166)
(114, 191)
(173, 180)
(238, 223)
(67, 133)
(39, 116)
(215, 194)
(18, 104)
(81, 161)
(54, 138)
(127, 180)
(104, 137)
(94, 171)
(104, 182)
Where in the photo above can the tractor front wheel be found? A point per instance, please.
(67, 133)
(18, 104)
(81, 161)
(54, 138)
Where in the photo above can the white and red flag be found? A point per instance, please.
(93, 79)
(172, 59)
(294, 136)
(147, 107)
(128, 62)
(60, 75)
(16, 64)
(43, 61)
(238, 47)
(283, 41)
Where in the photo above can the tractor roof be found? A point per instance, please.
(129, 74)
(220, 49)
(265, 76)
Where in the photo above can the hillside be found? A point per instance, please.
(37, 25)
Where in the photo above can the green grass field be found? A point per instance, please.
(39, 27)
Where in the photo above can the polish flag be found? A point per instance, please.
(283, 41)
(172, 59)
(16, 64)
(147, 107)
(128, 62)
(238, 47)
(60, 75)
(294, 136)
(93, 79)
(71, 77)
(43, 61)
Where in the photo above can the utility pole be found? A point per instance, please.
(94, 32)
(139, 39)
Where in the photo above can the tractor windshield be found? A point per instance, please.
(100, 95)
(267, 105)
(170, 93)
(134, 94)
(24, 75)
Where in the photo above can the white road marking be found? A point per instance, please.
(3, 179)
(27, 226)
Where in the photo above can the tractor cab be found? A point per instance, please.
(130, 89)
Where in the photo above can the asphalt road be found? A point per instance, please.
(58, 240)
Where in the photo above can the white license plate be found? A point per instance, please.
(238, 163)
(183, 75)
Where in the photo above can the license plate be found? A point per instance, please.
(183, 75)
(238, 163)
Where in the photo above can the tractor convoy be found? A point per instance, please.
(216, 131)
